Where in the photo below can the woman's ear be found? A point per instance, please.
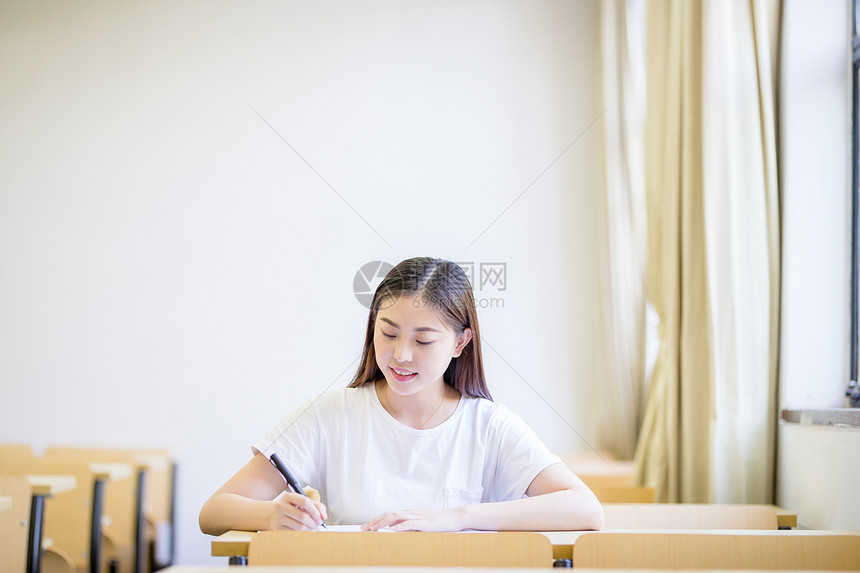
(462, 341)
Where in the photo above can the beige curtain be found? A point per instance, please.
(713, 250)
(621, 224)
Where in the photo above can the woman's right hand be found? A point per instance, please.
(249, 501)
(297, 512)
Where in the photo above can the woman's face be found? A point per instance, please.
(414, 345)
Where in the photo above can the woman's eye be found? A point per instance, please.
(428, 343)
(386, 335)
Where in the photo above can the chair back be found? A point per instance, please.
(13, 523)
(12, 455)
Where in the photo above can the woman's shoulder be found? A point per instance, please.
(341, 398)
(487, 411)
(501, 426)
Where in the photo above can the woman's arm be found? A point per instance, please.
(557, 501)
(247, 502)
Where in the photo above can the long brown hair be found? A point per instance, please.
(444, 287)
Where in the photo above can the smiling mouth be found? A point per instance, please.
(402, 375)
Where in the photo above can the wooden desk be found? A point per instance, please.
(299, 569)
(381, 569)
(626, 494)
(726, 549)
(648, 516)
(563, 542)
(784, 518)
(599, 473)
(232, 544)
(235, 543)
(613, 480)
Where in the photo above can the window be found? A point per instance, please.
(853, 386)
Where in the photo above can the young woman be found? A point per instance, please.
(415, 442)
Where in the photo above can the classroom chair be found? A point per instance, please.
(153, 534)
(21, 523)
(81, 522)
(410, 549)
(688, 516)
(771, 550)
(25, 534)
(13, 537)
(76, 521)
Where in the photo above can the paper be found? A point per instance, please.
(338, 528)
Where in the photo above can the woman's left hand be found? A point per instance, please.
(417, 520)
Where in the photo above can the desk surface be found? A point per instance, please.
(154, 462)
(51, 484)
(110, 471)
(289, 569)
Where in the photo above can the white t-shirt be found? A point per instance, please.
(365, 463)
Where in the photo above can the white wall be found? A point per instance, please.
(817, 466)
(174, 275)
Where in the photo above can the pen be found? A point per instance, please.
(291, 481)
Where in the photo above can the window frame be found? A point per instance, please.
(853, 390)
